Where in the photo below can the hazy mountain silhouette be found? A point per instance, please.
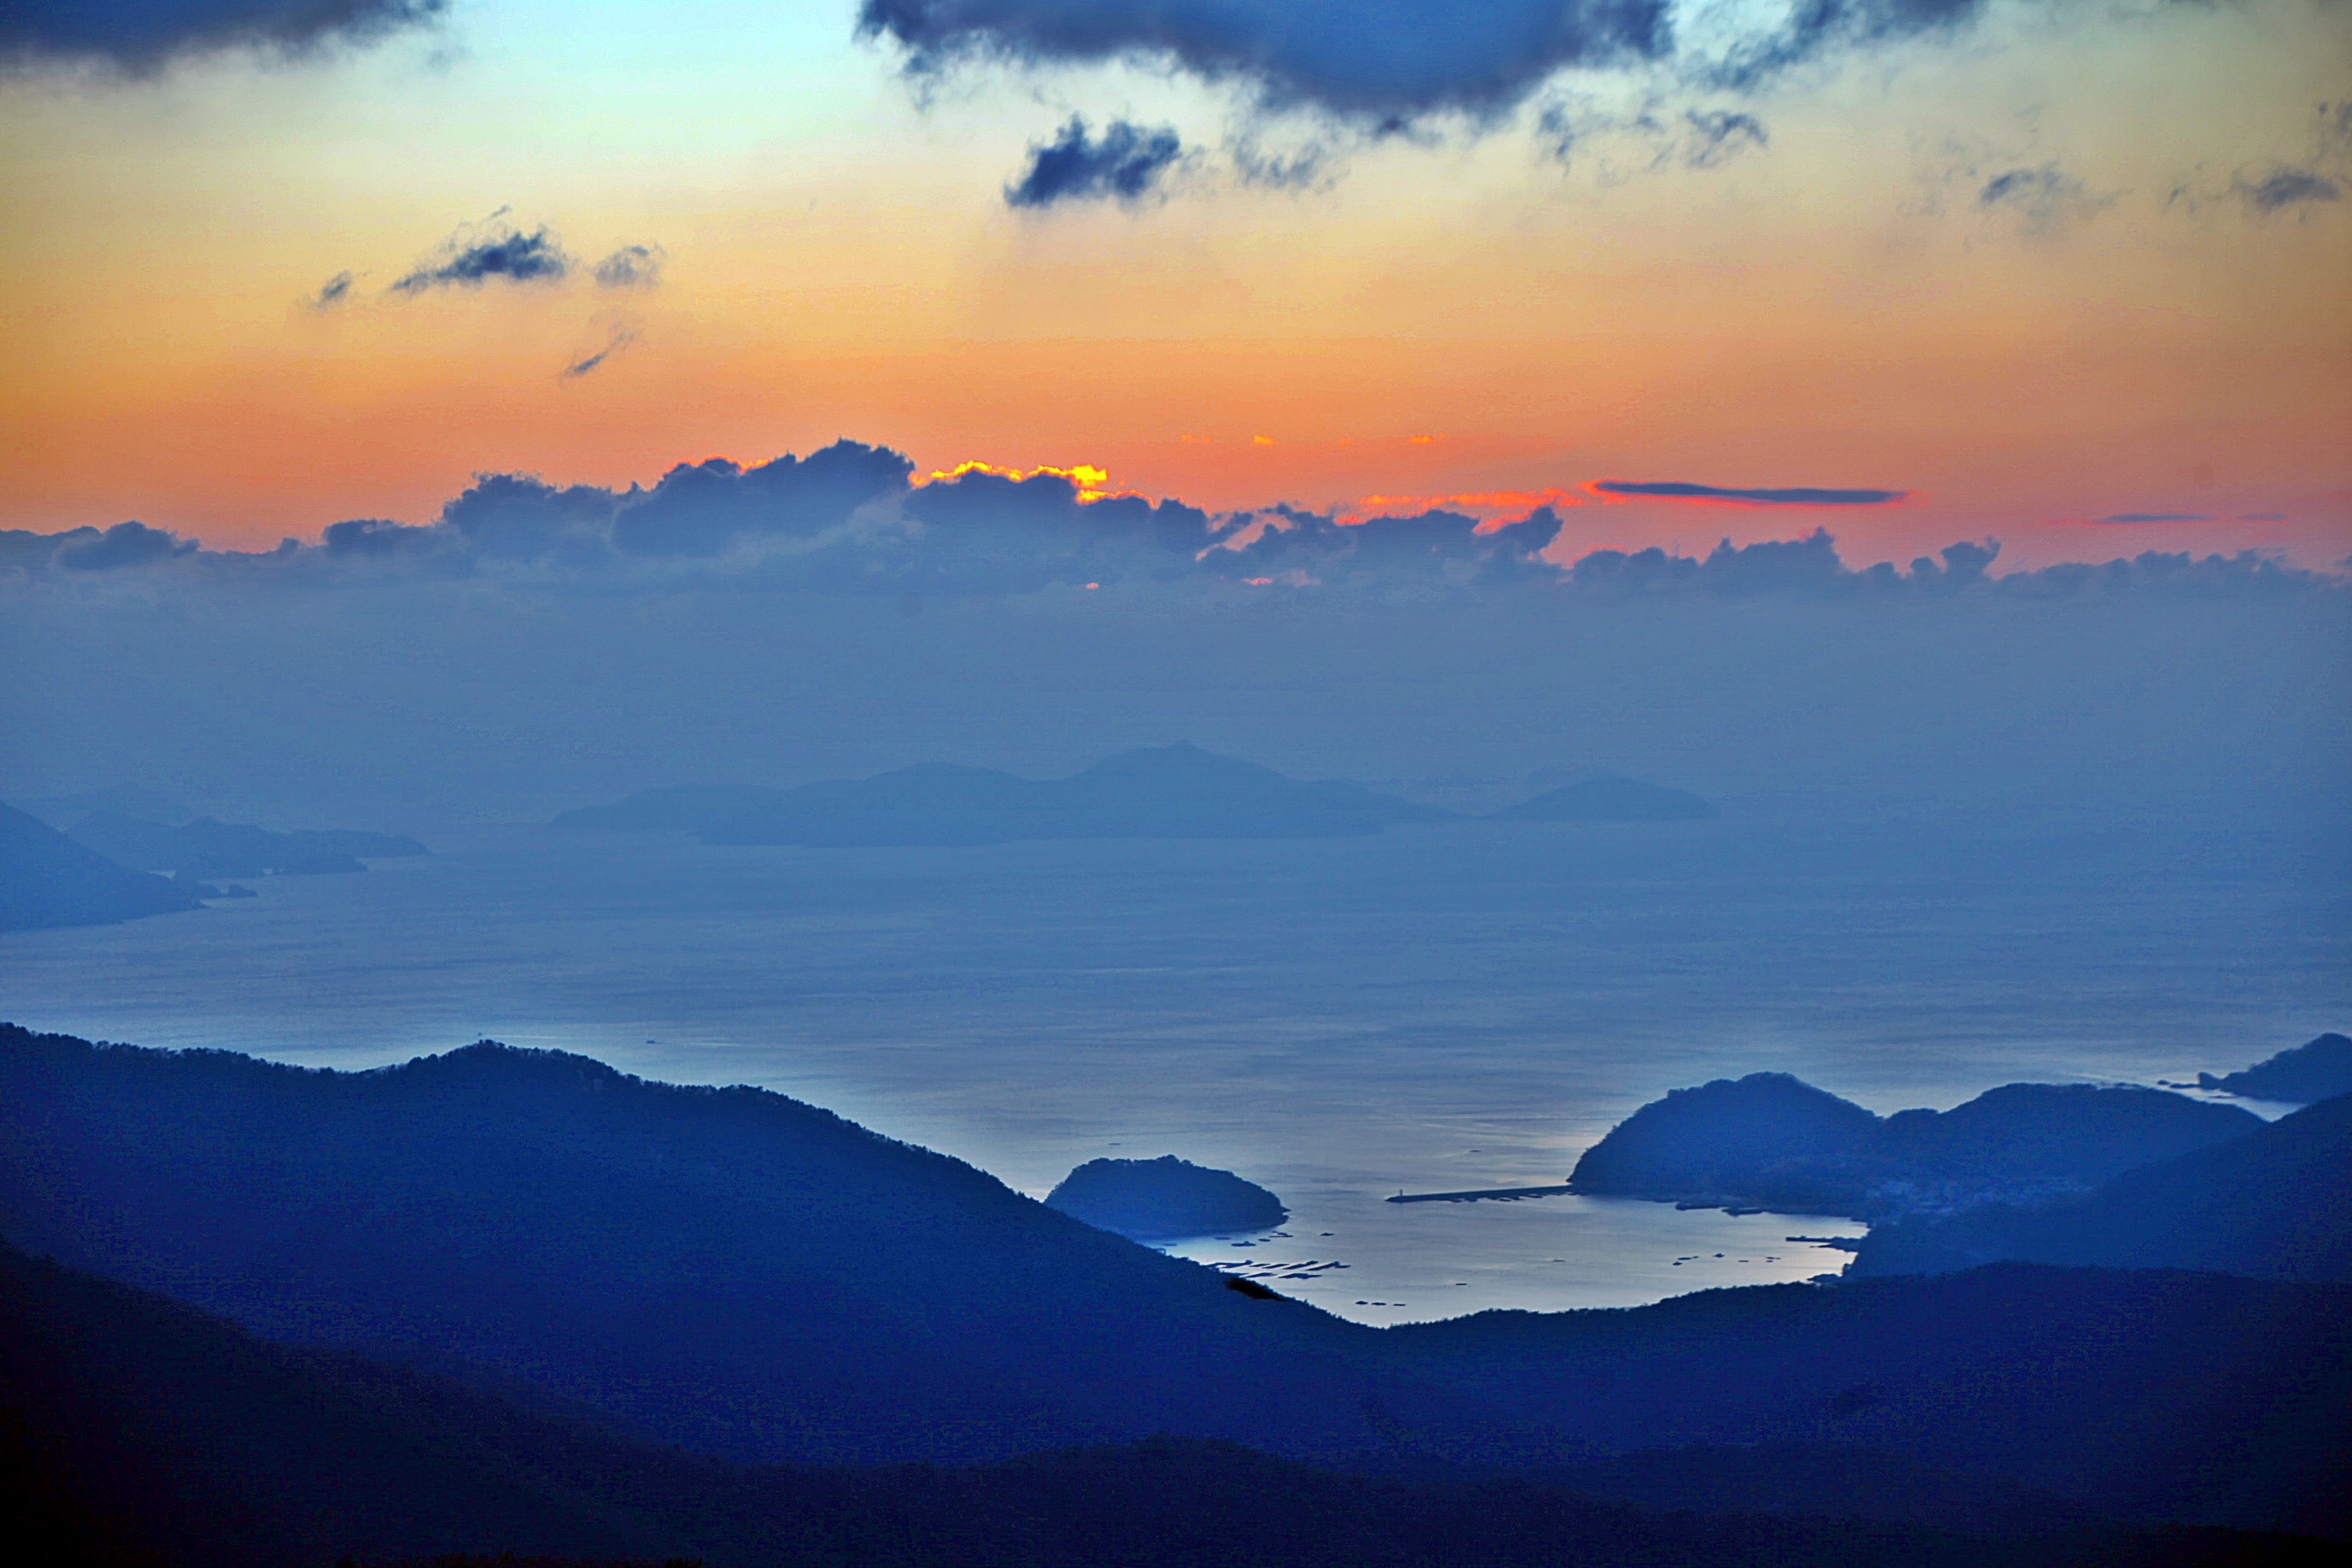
(1770, 1141)
(48, 880)
(206, 847)
(137, 1430)
(1164, 1198)
(1164, 792)
(62, 811)
(2317, 1069)
(759, 1279)
(1607, 797)
(2275, 1204)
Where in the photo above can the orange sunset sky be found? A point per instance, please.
(2040, 266)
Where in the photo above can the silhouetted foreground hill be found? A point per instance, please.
(48, 880)
(1164, 1198)
(2317, 1069)
(1770, 1141)
(756, 1279)
(2153, 1393)
(206, 847)
(136, 1430)
(1609, 798)
(2275, 1204)
(1166, 792)
(727, 1268)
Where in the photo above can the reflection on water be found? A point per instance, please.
(1353, 1254)
(1460, 1006)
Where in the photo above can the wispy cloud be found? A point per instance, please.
(2283, 187)
(619, 334)
(631, 267)
(1792, 495)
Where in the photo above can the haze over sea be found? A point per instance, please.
(1432, 1008)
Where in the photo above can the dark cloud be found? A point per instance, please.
(124, 544)
(2287, 188)
(987, 532)
(1381, 62)
(374, 536)
(2156, 516)
(469, 261)
(519, 517)
(631, 267)
(1300, 547)
(332, 292)
(141, 34)
(1718, 135)
(700, 509)
(1801, 495)
(1125, 163)
(1964, 563)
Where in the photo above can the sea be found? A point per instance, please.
(1436, 1008)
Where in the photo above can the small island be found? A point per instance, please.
(1164, 1199)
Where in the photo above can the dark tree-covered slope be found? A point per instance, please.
(729, 1268)
(134, 1430)
(2157, 1393)
(1773, 1141)
(2275, 1204)
(756, 1279)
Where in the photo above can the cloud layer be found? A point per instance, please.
(1384, 62)
(854, 519)
(140, 35)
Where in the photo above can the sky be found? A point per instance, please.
(2067, 276)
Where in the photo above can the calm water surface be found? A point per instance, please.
(1438, 1009)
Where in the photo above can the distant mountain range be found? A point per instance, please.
(99, 873)
(206, 847)
(2317, 1069)
(48, 880)
(760, 1281)
(1165, 792)
(1772, 1141)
